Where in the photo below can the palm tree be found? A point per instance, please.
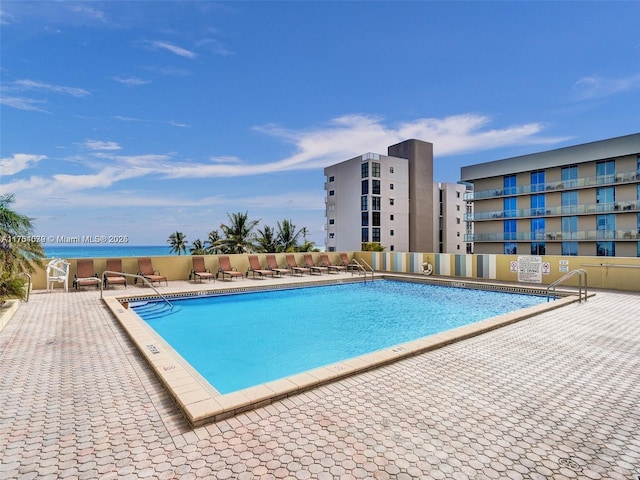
(267, 241)
(238, 235)
(287, 236)
(211, 243)
(197, 248)
(178, 243)
(20, 250)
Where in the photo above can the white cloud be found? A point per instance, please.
(101, 145)
(18, 162)
(34, 85)
(182, 52)
(23, 103)
(595, 86)
(130, 81)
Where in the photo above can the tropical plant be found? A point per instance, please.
(211, 243)
(287, 236)
(307, 246)
(372, 247)
(197, 248)
(20, 250)
(178, 243)
(238, 234)
(267, 240)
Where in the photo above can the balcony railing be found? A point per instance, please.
(553, 186)
(591, 235)
(588, 209)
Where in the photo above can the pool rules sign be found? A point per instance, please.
(530, 269)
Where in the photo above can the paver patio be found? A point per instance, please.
(556, 396)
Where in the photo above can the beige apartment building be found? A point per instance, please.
(392, 200)
(580, 200)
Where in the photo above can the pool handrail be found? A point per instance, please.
(580, 272)
(360, 267)
(141, 277)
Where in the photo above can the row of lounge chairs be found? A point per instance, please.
(113, 275)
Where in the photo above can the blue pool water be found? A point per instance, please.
(242, 340)
(105, 251)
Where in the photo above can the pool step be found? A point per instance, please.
(151, 310)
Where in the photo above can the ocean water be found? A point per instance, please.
(97, 251)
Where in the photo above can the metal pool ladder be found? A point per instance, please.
(144, 280)
(361, 268)
(580, 272)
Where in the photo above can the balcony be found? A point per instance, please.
(587, 182)
(582, 236)
(587, 209)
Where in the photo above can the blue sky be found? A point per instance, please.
(143, 118)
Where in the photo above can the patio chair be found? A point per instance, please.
(58, 272)
(227, 269)
(147, 271)
(272, 264)
(199, 270)
(256, 268)
(294, 267)
(311, 265)
(327, 263)
(85, 274)
(110, 278)
(345, 262)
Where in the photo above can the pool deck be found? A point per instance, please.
(554, 396)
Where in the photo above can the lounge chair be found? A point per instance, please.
(199, 270)
(226, 269)
(272, 264)
(294, 267)
(58, 272)
(346, 262)
(255, 268)
(85, 275)
(327, 263)
(147, 271)
(310, 264)
(111, 278)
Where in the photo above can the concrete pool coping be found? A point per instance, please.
(201, 404)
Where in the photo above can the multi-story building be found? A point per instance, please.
(392, 200)
(580, 200)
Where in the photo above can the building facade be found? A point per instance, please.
(392, 200)
(580, 200)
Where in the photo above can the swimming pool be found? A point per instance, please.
(242, 340)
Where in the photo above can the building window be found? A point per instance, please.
(392, 201)
(510, 208)
(365, 187)
(510, 248)
(391, 217)
(569, 228)
(375, 169)
(364, 237)
(569, 202)
(509, 229)
(332, 193)
(331, 207)
(331, 221)
(375, 203)
(509, 184)
(391, 186)
(364, 170)
(605, 199)
(605, 226)
(392, 248)
(606, 249)
(605, 171)
(363, 203)
(375, 234)
(458, 208)
(375, 219)
(537, 181)
(332, 235)
(364, 221)
(457, 194)
(331, 178)
(570, 249)
(538, 232)
(391, 233)
(458, 246)
(538, 248)
(458, 221)
(375, 187)
(537, 204)
(457, 234)
(391, 168)
(569, 176)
